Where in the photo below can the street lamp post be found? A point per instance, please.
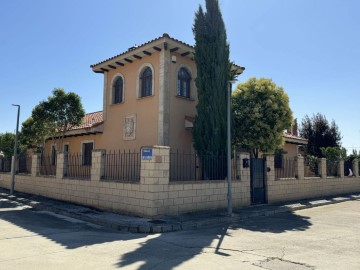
(229, 179)
(15, 151)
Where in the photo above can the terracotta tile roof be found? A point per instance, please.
(133, 48)
(238, 68)
(90, 120)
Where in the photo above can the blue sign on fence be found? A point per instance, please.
(146, 153)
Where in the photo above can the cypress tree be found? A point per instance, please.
(213, 72)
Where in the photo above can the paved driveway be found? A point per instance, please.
(324, 237)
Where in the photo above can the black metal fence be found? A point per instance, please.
(332, 168)
(122, 166)
(25, 162)
(5, 164)
(311, 167)
(75, 168)
(47, 166)
(192, 167)
(285, 168)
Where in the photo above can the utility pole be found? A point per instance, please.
(15, 151)
(229, 179)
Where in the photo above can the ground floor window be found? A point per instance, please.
(87, 148)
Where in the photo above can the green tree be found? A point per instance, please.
(34, 134)
(7, 142)
(333, 153)
(261, 113)
(319, 133)
(52, 118)
(213, 72)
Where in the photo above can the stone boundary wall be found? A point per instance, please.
(288, 189)
(154, 195)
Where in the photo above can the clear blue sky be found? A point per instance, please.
(311, 48)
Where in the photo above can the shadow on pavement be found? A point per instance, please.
(67, 232)
(155, 253)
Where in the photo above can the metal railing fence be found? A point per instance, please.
(75, 168)
(286, 169)
(122, 166)
(46, 165)
(311, 167)
(191, 167)
(25, 162)
(5, 164)
(332, 168)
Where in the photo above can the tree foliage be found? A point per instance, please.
(52, 118)
(213, 72)
(319, 133)
(34, 134)
(261, 113)
(7, 142)
(333, 153)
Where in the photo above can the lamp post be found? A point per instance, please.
(229, 180)
(15, 151)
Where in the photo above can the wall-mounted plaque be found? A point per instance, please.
(129, 127)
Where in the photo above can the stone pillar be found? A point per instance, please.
(299, 167)
(355, 167)
(97, 164)
(322, 167)
(60, 165)
(340, 169)
(154, 177)
(244, 172)
(164, 97)
(35, 164)
(270, 177)
(157, 169)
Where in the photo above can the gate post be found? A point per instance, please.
(35, 164)
(299, 167)
(270, 176)
(322, 167)
(355, 167)
(340, 169)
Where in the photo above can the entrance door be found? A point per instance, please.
(257, 176)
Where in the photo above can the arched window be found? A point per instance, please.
(146, 82)
(183, 87)
(118, 90)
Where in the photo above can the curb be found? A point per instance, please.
(173, 224)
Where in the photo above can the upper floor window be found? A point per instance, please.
(118, 90)
(183, 86)
(146, 82)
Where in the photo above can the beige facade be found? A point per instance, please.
(157, 119)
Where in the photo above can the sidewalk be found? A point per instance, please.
(166, 223)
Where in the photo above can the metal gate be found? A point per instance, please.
(257, 183)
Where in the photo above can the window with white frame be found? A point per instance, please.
(118, 90)
(183, 85)
(146, 82)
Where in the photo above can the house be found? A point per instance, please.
(149, 98)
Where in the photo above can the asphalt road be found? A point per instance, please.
(325, 237)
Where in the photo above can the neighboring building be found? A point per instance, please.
(149, 96)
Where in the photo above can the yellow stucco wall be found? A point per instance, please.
(179, 137)
(75, 143)
(146, 109)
